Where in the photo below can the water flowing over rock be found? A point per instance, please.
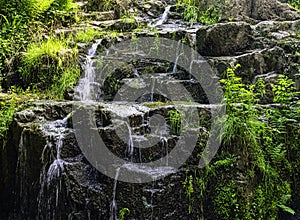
(64, 185)
(45, 174)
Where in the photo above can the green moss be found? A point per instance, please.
(226, 200)
(157, 104)
(294, 3)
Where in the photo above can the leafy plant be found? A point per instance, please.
(175, 121)
(197, 11)
(226, 201)
(189, 190)
(7, 106)
(294, 3)
(23, 20)
(123, 212)
(282, 204)
(284, 90)
(262, 140)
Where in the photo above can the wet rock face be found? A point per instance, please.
(56, 181)
(44, 173)
(223, 39)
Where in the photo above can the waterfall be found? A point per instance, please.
(164, 142)
(130, 146)
(136, 74)
(153, 81)
(21, 171)
(88, 89)
(51, 178)
(113, 206)
(191, 68)
(177, 57)
(163, 18)
(21, 159)
(58, 164)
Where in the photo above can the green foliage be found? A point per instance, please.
(198, 11)
(191, 11)
(262, 143)
(49, 48)
(262, 138)
(87, 36)
(7, 109)
(210, 16)
(294, 3)
(68, 79)
(284, 199)
(13, 37)
(189, 190)
(123, 212)
(50, 65)
(23, 20)
(9, 104)
(33, 8)
(228, 161)
(284, 90)
(175, 121)
(241, 121)
(226, 200)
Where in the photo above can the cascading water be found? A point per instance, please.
(21, 173)
(130, 146)
(152, 89)
(164, 142)
(163, 18)
(177, 57)
(51, 178)
(113, 205)
(88, 89)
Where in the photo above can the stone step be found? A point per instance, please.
(152, 136)
(158, 89)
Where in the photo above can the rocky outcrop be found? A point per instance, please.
(223, 39)
(44, 172)
(48, 176)
(259, 10)
(263, 48)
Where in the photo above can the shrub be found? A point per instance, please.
(205, 12)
